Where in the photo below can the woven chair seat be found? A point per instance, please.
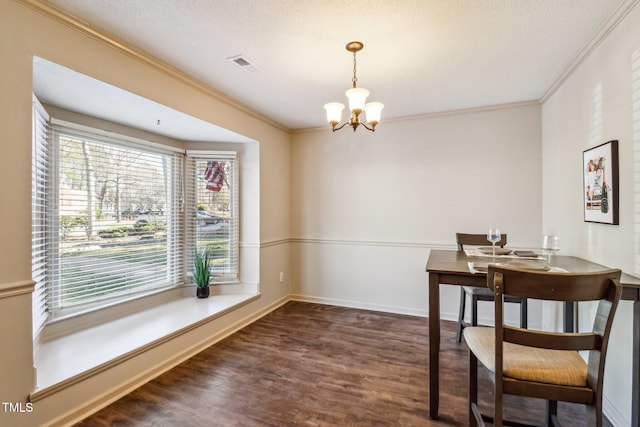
(559, 367)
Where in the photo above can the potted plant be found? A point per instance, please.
(201, 273)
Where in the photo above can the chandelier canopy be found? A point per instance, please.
(357, 98)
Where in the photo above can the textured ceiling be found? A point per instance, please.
(420, 56)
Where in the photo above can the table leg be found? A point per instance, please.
(635, 380)
(434, 344)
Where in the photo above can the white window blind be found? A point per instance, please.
(118, 223)
(40, 179)
(212, 211)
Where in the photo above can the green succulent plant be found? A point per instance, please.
(201, 273)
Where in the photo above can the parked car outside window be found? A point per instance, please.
(151, 217)
(206, 218)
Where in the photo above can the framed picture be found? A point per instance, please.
(600, 190)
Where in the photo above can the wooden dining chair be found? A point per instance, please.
(544, 365)
(481, 294)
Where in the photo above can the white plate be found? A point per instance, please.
(499, 251)
(527, 266)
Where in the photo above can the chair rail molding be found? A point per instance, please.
(16, 288)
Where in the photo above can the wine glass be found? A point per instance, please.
(494, 237)
(550, 244)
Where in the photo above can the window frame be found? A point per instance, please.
(193, 156)
(183, 234)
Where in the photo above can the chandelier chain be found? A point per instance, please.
(355, 79)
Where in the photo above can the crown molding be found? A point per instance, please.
(422, 116)
(63, 17)
(618, 15)
(87, 29)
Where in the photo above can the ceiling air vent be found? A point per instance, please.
(244, 63)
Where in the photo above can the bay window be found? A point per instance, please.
(117, 218)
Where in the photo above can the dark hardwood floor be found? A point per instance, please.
(316, 365)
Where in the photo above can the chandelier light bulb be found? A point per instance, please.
(373, 110)
(357, 97)
(334, 112)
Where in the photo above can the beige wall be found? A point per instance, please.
(593, 106)
(367, 207)
(26, 33)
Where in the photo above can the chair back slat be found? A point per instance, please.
(463, 239)
(552, 340)
(552, 286)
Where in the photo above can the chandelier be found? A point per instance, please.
(357, 98)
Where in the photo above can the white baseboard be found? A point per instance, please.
(110, 396)
(358, 304)
(613, 414)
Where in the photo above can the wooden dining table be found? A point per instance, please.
(450, 267)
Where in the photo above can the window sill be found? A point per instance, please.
(68, 359)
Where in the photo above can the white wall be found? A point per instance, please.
(367, 207)
(594, 105)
